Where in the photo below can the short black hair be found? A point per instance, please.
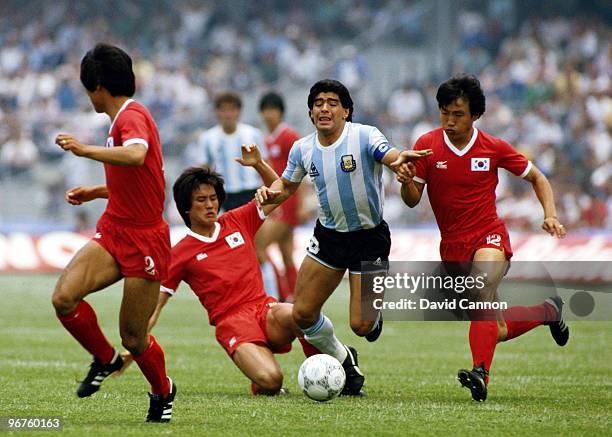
(189, 181)
(272, 100)
(462, 86)
(228, 97)
(109, 67)
(332, 86)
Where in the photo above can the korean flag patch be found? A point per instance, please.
(480, 164)
(234, 240)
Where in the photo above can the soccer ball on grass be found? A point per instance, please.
(321, 377)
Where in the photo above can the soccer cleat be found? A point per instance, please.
(354, 377)
(160, 407)
(558, 329)
(474, 380)
(98, 372)
(376, 329)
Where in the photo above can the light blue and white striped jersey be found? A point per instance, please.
(347, 176)
(218, 150)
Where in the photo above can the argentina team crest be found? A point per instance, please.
(348, 163)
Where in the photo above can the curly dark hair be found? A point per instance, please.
(332, 86)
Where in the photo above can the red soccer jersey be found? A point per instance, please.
(135, 193)
(278, 145)
(222, 270)
(461, 183)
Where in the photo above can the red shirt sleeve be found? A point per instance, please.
(176, 273)
(512, 160)
(248, 217)
(133, 129)
(421, 164)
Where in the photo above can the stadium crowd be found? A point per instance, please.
(547, 84)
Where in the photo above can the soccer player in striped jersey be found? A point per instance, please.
(461, 178)
(218, 146)
(345, 162)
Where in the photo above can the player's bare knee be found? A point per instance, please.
(361, 328)
(270, 381)
(303, 317)
(136, 345)
(63, 303)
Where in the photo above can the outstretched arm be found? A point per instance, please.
(543, 190)
(251, 157)
(269, 198)
(132, 155)
(394, 158)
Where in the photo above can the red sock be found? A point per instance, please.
(153, 365)
(483, 339)
(82, 323)
(520, 320)
(309, 350)
(291, 279)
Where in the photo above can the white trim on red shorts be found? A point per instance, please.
(163, 289)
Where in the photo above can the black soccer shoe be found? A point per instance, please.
(98, 372)
(558, 329)
(160, 408)
(354, 377)
(376, 330)
(474, 380)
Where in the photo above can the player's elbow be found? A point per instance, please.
(411, 202)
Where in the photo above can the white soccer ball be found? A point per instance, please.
(321, 377)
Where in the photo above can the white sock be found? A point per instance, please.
(321, 335)
(269, 278)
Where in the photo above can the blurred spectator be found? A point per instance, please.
(19, 154)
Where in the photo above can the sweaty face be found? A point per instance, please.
(327, 113)
(204, 206)
(456, 119)
(228, 115)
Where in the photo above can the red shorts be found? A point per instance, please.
(464, 248)
(287, 212)
(140, 252)
(248, 324)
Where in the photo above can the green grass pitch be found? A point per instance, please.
(536, 387)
